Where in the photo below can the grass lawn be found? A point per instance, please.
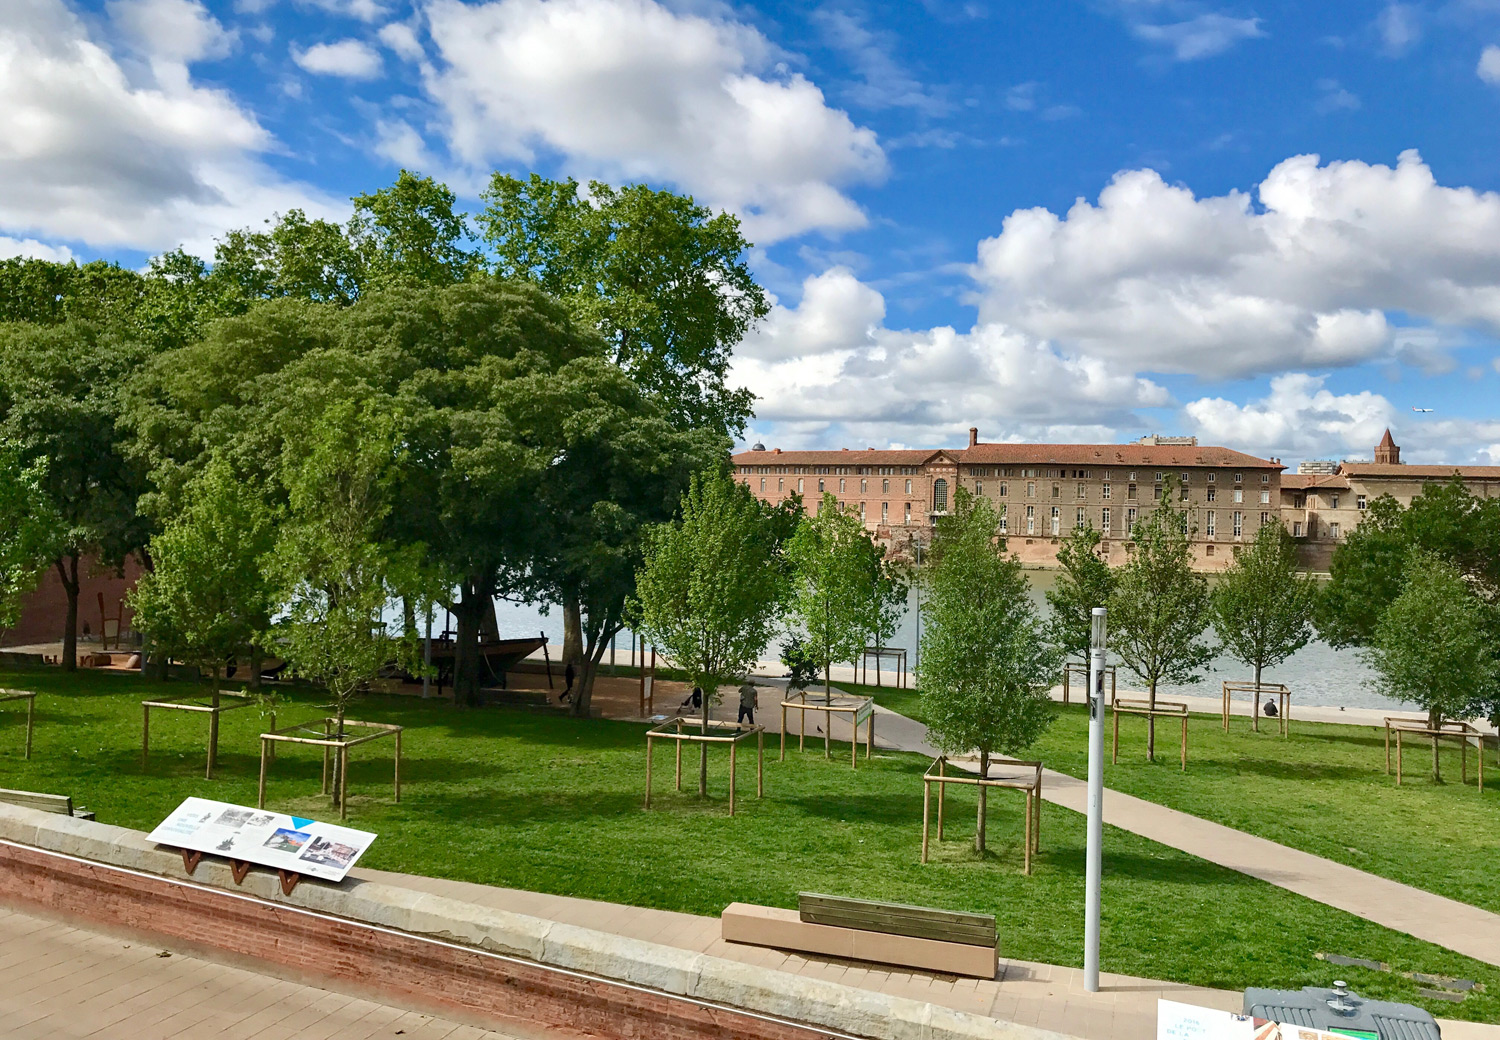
(538, 801)
(1323, 790)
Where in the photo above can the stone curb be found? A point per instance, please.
(667, 969)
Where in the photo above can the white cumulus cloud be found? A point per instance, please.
(1202, 36)
(144, 158)
(30, 247)
(171, 30)
(1152, 277)
(350, 59)
(632, 89)
(828, 370)
(1489, 65)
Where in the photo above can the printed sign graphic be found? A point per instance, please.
(320, 850)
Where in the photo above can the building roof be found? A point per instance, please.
(1304, 481)
(1144, 455)
(1400, 470)
(843, 457)
(1387, 441)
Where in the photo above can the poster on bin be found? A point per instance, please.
(1175, 1021)
(269, 839)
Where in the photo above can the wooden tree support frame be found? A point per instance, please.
(673, 730)
(859, 709)
(1140, 706)
(1463, 732)
(320, 733)
(1027, 779)
(30, 699)
(1081, 669)
(237, 700)
(880, 653)
(1283, 703)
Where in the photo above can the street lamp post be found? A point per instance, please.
(1095, 854)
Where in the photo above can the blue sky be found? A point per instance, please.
(1271, 225)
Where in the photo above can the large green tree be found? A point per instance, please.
(842, 592)
(1160, 607)
(709, 586)
(28, 530)
(1084, 582)
(61, 391)
(1262, 604)
(986, 668)
(1434, 645)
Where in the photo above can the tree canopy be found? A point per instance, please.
(1084, 582)
(1262, 605)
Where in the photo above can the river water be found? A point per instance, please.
(1318, 675)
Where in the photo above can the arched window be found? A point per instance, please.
(939, 495)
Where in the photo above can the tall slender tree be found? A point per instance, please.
(985, 669)
(1084, 582)
(1160, 607)
(1263, 605)
(709, 586)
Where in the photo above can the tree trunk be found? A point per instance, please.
(257, 661)
(703, 751)
(984, 772)
(572, 652)
(1151, 726)
(1435, 721)
(213, 728)
(69, 575)
(466, 646)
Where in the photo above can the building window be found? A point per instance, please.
(1158, 477)
(1211, 494)
(1080, 522)
(1003, 489)
(1333, 531)
(1333, 501)
(1265, 478)
(1030, 489)
(1056, 521)
(885, 512)
(939, 495)
(1031, 519)
(861, 510)
(1265, 518)
(885, 487)
(1104, 491)
(1081, 491)
(821, 488)
(1297, 529)
(841, 486)
(1209, 551)
(1130, 515)
(1057, 491)
(1004, 522)
(1210, 523)
(1130, 492)
(1359, 501)
(1187, 477)
(1157, 493)
(762, 484)
(1265, 498)
(1183, 494)
(1104, 519)
(1239, 478)
(978, 487)
(1239, 524)
(1211, 478)
(908, 514)
(780, 483)
(799, 485)
(1239, 495)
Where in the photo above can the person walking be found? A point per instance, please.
(749, 699)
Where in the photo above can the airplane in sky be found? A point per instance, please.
(1416, 409)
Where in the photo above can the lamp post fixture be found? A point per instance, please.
(1095, 854)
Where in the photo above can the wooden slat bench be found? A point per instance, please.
(53, 803)
(944, 941)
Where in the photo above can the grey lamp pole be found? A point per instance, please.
(1095, 855)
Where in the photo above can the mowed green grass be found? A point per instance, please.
(1323, 789)
(537, 801)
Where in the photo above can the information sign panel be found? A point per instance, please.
(270, 839)
(864, 712)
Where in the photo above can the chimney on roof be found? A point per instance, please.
(843, 449)
(973, 436)
(1388, 452)
(776, 451)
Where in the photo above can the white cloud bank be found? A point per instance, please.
(632, 89)
(1298, 274)
(349, 59)
(127, 154)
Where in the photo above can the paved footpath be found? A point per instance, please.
(64, 983)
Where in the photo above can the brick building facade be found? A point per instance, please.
(1041, 491)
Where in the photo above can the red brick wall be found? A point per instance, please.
(397, 967)
(45, 610)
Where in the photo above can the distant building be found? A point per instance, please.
(1321, 510)
(1039, 490)
(1324, 467)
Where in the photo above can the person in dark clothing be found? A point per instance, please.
(748, 699)
(568, 676)
(1269, 711)
(694, 700)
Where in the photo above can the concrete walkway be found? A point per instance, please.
(65, 983)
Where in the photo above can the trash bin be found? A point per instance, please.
(1337, 1010)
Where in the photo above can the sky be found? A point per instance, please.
(1274, 226)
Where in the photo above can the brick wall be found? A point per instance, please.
(395, 966)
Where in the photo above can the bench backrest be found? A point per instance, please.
(919, 922)
(54, 803)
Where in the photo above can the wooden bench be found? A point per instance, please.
(944, 941)
(53, 803)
